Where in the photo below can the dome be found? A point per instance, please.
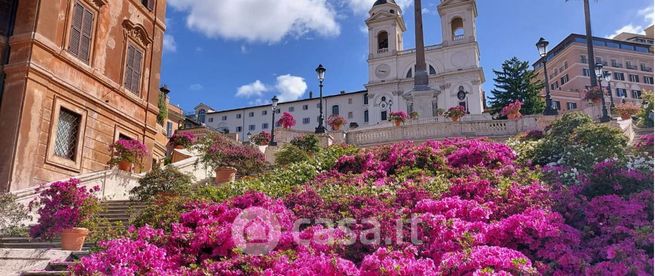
(380, 2)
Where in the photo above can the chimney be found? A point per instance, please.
(342, 92)
(311, 94)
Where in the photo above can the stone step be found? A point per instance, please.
(45, 273)
(59, 266)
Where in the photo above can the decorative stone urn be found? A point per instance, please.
(73, 238)
(225, 175)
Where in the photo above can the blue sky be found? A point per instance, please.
(234, 53)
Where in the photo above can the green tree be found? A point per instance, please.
(516, 81)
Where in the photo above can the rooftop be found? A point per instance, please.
(290, 102)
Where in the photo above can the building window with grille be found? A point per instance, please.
(571, 105)
(648, 80)
(169, 129)
(66, 137)
(81, 32)
(365, 116)
(619, 76)
(239, 129)
(264, 126)
(264, 112)
(305, 107)
(305, 121)
(365, 98)
(251, 114)
(251, 127)
(292, 109)
(621, 92)
(133, 65)
(633, 78)
(383, 115)
(636, 94)
(335, 110)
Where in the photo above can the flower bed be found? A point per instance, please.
(454, 207)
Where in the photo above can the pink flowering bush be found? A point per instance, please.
(287, 120)
(398, 117)
(336, 121)
(453, 207)
(184, 139)
(513, 110)
(128, 150)
(218, 151)
(262, 138)
(63, 205)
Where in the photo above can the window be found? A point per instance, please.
(583, 59)
(564, 79)
(239, 129)
(383, 41)
(571, 106)
(251, 127)
(350, 115)
(619, 76)
(350, 100)
(264, 112)
(305, 107)
(648, 80)
(305, 121)
(265, 126)
(557, 105)
(318, 105)
(201, 115)
(292, 109)
(211, 120)
(66, 137)
(149, 4)
(224, 118)
(383, 115)
(621, 92)
(132, 78)
(409, 73)
(365, 98)
(238, 116)
(169, 129)
(251, 114)
(633, 78)
(365, 116)
(335, 110)
(636, 94)
(81, 30)
(432, 70)
(599, 60)
(457, 28)
(586, 72)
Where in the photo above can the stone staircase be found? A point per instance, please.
(114, 211)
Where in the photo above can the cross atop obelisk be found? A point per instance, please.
(421, 74)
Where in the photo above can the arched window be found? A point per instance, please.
(201, 115)
(409, 73)
(432, 70)
(457, 27)
(335, 110)
(383, 40)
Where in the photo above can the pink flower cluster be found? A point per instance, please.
(287, 120)
(62, 205)
(261, 138)
(512, 110)
(128, 149)
(398, 116)
(183, 138)
(454, 207)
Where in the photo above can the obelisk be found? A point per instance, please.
(422, 97)
(421, 74)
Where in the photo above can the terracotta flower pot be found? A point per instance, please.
(514, 116)
(73, 238)
(455, 119)
(626, 116)
(397, 123)
(179, 147)
(596, 100)
(125, 165)
(336, 128)
(225, 175)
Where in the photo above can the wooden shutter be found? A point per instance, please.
(128, 67)
(151, 4)
(136, 68)
(85, 40)
(76, 29)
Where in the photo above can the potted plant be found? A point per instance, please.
(182, 140)
(398, 117)
(595, 94)
(65, 208)
(336, 121)
(512, 110)
(287, 121)
(455, 113)
(626, 110)
(413, 115)
(127, 152)
(228, 158)
(261, 139)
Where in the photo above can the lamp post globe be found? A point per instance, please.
(320, 72)
(274, 102)
(542, 47)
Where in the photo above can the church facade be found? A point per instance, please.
(454, 73)
(453, 67)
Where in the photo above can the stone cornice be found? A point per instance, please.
(137, 32)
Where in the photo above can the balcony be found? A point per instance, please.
(617, 65)
(382, 51)
(458, 37)
(631, 67)
(645, 68)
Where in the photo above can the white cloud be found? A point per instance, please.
(169, 43)
(256, 88)
(259, 20)
(363, 6)
(628, 29)
(648, 14)
(196, 87)
(290, 88)
(259, 101)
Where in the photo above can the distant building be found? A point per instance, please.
(75, 76)
(453, 66)
(627, 57)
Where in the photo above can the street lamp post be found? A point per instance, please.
(274, 101)
(320, 71)
(608, 78)
(249, 135)
(599, 77)
(542, 46)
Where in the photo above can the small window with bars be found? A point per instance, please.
(81, 31)
(66, 137)
(149, 4)
(133, 62)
